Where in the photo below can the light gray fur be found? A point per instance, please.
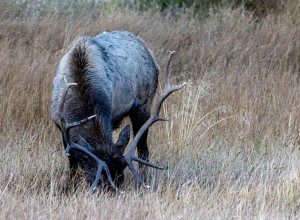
(127, 75)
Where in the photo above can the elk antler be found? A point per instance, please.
(130, 156)
(65, 127)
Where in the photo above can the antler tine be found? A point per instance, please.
(65, 126)
(166, 72)
(62, 102)
(130, 156)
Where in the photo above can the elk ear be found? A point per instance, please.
(123, 139)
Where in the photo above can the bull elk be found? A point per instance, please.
(98, 82)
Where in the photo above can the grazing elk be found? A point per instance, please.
(99, 81)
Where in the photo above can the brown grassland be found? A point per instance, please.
(232, 142)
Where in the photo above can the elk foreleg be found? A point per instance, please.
(139, 114)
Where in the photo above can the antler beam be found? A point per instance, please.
(130, 156)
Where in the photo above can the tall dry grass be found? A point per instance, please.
(232, 142)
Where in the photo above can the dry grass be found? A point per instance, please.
(232, 143)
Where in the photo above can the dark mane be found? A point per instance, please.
(80, 70)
